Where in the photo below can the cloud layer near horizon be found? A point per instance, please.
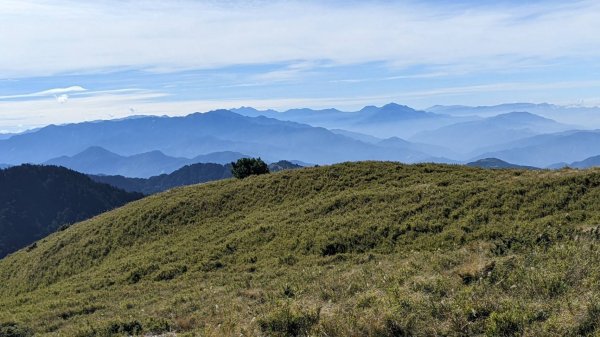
(44, 38)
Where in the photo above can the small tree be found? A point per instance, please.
(245, 167)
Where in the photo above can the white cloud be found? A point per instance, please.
(62, 98)
(40, 37)
(49, 92)
(58, 91)
(392, 78)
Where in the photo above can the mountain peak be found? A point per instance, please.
(221, 112)
(522, 116)
(369, 108)
(95, 150)
(152, 154)
(392, 112)
(396, 106)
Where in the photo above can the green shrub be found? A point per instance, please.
(288, 259)
(394, 327)
(246, 167)
(285, 322)
(131, 328)
(171, 273)
(12, 329)
(139, 273)
(591, 321)
(212, 266)
(506, 324)
(156, 326)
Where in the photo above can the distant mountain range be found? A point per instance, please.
(188, 136)
(390, 120)
(582, 164)
(37, 200)
(187, 175)
(391, 112)
(147, 146)
(438, 152)
(495, 163)
(470, 136)
(548, 149)
(589, 162)
(358, 136)
(97, 160)
(564, 114)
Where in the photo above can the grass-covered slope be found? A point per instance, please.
(373, 249)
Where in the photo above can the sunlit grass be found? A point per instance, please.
(375, 249)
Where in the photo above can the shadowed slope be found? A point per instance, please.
(37, 200)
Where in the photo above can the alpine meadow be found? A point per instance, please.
(377, 249)
(286, 168)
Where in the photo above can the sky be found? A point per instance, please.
(69, 61)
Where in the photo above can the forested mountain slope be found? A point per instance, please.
(37, 200)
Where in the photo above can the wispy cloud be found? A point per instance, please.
(498, 87)
(75, 36)
(392, 78)
(49, 92)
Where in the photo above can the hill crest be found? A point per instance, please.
(368, 246)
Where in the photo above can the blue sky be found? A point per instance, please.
(69, 61)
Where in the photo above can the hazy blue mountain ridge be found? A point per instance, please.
(390, 120)
(97, 160)
(187, 136)
(548, 149)
(148, 146)
(572, 115)
(470, 136)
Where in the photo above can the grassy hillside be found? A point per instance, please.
(373, 249)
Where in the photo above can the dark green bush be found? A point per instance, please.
(246, 167)
(131, 328)
(12, 329)
(171, 273)
(506, 324)
(139, 273)
(212, 266)
(286, 322)
(591, 322)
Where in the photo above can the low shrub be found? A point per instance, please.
(285, 322)
(12, 329)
